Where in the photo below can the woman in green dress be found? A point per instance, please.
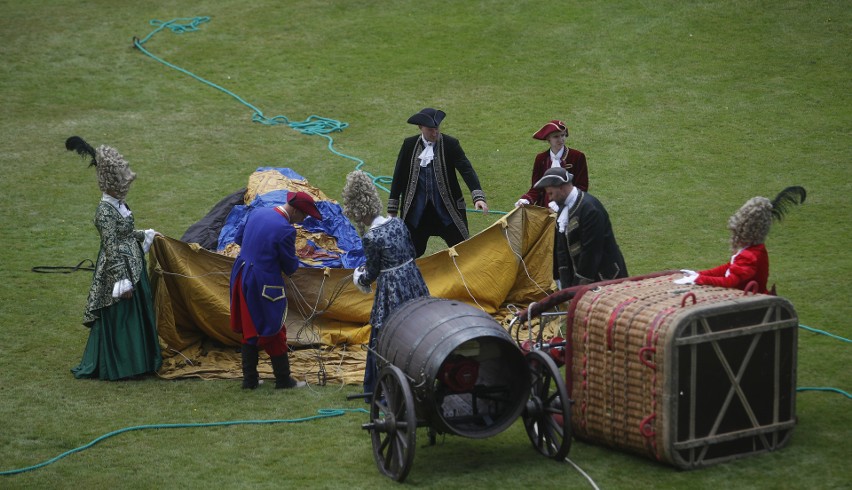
(123, 341)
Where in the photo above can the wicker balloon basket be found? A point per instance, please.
(686, 375)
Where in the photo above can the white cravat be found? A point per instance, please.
(562, 219)
(556, 160)
(120, 206)
(428, 154)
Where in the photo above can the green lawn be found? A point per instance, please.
(685, 109)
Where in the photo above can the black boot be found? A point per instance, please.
(250, 377)
(281, 368)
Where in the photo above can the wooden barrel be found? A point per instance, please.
(468, 376)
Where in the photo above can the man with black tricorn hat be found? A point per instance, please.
(586, 250)
(425, 191)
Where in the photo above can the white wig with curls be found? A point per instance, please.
(114, 174)
(750, 224)
(361, 201)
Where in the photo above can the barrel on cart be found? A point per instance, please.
(453, 369)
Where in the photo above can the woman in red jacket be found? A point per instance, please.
(559, 155)
(749, 228)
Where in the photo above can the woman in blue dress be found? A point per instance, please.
(390, 257)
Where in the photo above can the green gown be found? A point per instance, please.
(123, 340)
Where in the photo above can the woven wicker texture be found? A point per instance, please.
(620, 336)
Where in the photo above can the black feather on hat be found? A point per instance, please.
(788, 197)
(78, 144)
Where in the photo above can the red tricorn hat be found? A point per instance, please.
(304, 203)
(551, 127)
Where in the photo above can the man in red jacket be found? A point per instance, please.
(749, 228)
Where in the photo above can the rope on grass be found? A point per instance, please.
(824, 388)
(585, 475)
(321, 414)
(312, 126)
(63, 269)
(823, 332)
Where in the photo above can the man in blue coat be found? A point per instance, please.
(258, 298)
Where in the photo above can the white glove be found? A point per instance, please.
(149, 239)
(689, 277)
(121, 287)
(553, 206)
(356, 274)
(521, 203)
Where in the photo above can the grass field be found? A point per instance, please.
(685, 109)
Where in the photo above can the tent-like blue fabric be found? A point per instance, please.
(333, 224)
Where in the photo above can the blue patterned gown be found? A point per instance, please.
(390, 262)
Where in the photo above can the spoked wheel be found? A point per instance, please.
(393, 426)
(547, 416)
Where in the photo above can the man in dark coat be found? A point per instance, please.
(258, 299)
(425, 191)
(586, 250)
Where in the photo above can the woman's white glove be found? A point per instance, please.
(149, 239)
(121, 287)
(689, 277)
(356, 274)
(553, 206)
(522, 202)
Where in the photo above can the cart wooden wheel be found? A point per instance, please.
(547, 416)
(394, 423)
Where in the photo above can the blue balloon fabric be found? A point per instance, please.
(333, 223)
